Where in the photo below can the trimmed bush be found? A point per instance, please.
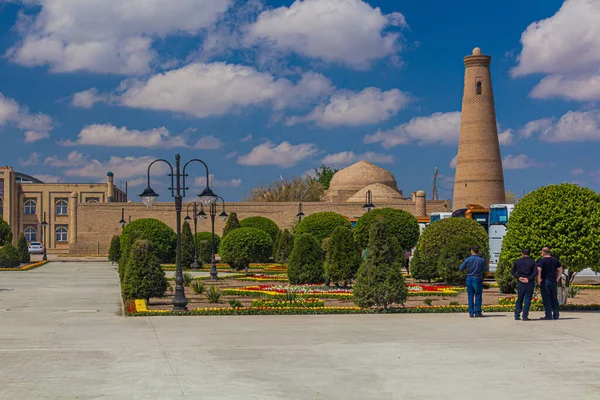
(243, 246)
(23, 249)
(286, 245)
(565, 218)
(114, 252)
(452, 255)
(343, 256)
(276, 245)
(5, 232)
(187, 246)
(305, 264)
(400, 224)
(379, 281)
(124, 259)
(424, 265)
(262, 223)
(232, 223)
(162, 238)
(204, 242)
(321, 225)
(144, 278)
(9, 256)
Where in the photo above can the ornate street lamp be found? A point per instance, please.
(122, 221)
(213, 214)
(196, 266)
(178, 191)
(44, 225)
(368, 202)
(300, 214)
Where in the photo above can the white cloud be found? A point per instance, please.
(201, 182)
(452, 163)
(246, 138)
(204, 90)
(111, 136)
(342, 31)
(48, 178)
(348, 108)
(349, 157)
(87, 98)
(208, 143)
(107, 36)
(282, 155)
(122, 167)
(74, 159)
(35, 126)
(574, 126)
(520, 161)
(566, 47)
(33, 159)
(577, 171)
(231, 155)
(505, 138)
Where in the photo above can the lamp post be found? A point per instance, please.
(300, 214)
(368, 202)
(44, 225)
(213, 213)
(178, 191)
(196, 266)
(122, 221)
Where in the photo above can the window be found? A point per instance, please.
(1, 206)
(61, 207)
(479, 87)
(61, 234)
(30, 207)
(31, 234)
(93, 200)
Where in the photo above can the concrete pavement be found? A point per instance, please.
(62, 337)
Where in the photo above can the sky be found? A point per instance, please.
(261, 90)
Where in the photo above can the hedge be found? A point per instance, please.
(321, 225)
(162, 238)
(399, 223)
(262, 223)
(243, 246)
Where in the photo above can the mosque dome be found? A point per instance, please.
(379, 192)
(362, 174)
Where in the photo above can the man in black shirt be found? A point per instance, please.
(525, 271)
(549, 273)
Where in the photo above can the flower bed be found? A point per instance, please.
(26, 267)
(264, 278)
(277, 291)
(512, 301)
(277, 303)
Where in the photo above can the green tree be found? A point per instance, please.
(324, 175)
(187, 246)
(452, 255)
(321, 225)
(232, 223)
(23, 249)
(424, 265)
(114, 252)
(342, 258)
(379, 281)
(144, 278)
(305, 264)
(204, 242)
(262, 223)
(246, 245)
(9, 256)
(286, 245)
(401, 224)
(296, 189)
(5, 232)
(161, 237)
(564, 217)
(276, 245)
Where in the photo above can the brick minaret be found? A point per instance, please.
(479, 177)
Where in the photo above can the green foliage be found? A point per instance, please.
(5, 232)
(324, 175)
(321, 225)
(143, 276)
(276, 245)
(23, 249)
(232, 223)
(424, 265)
(235, 303)
(9, 256)
(452, 255)
(162, 238)
(114, 252)
(204, 242)
(245, 245)
(379, 281)
(305, 264)
(295, 189)
(262, 223)
(286, 245)
(187, 279)
(214, 294)
(343, 256)
(198, 286)
(400, 224)
(187, 246)
(565, 218)
(428, 302)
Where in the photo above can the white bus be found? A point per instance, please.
(436, 216)
(499, 215)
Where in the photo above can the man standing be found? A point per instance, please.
(476, 267)
(525, 271)
(549, 273)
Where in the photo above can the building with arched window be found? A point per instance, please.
(25, 201)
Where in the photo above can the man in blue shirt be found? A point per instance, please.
(476, 267)
(549, 274)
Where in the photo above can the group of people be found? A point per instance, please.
(547, 272)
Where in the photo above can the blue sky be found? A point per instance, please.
(260, 89)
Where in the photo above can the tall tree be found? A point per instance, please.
(343, 256)
(187, 246)
(232, 223)
(23, 249)
(281, 190)
(5, 232)
(324, 175)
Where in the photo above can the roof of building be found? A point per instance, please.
(379, 192)
(361, 174)
(27, 178)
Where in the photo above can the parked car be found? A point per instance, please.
(36, 248)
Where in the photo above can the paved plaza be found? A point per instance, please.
(63, 336)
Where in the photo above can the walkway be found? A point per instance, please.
(62, 337)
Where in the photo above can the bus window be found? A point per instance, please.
(460, 213)
(498, 216)
(435, 217)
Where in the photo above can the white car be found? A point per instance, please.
(36, 248)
